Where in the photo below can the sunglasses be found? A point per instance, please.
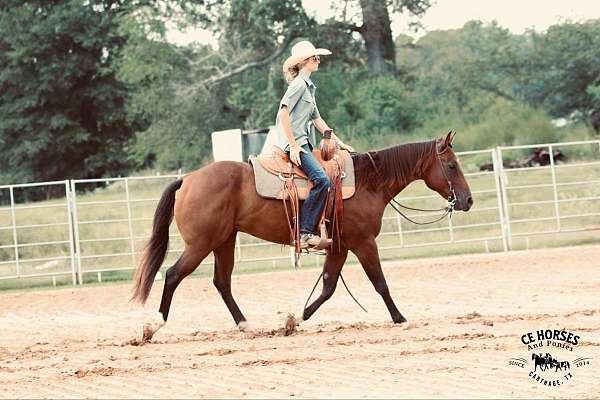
(315, 58)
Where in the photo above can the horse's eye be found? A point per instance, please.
(452, 165)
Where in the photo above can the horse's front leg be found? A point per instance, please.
(369, 258)
(331, 273)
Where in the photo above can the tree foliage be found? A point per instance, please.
(564, 71)
(63, 110)
(92, 88)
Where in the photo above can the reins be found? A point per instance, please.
(395, 203)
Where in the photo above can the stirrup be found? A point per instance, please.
(325, 242)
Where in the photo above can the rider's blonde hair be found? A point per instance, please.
(293, 72)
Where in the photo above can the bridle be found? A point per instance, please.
(448, 209)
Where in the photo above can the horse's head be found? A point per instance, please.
(445, 176)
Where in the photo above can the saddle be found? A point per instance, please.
(271, 169)
(277, 177)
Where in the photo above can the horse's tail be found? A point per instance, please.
(156, 248)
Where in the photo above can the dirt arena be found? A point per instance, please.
(466, 318)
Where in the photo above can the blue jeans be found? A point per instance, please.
(315, 202)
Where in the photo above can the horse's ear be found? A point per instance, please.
(449, 138)
(446, 142)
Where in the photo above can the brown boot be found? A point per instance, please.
(309, 240)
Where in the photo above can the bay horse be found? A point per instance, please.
(211, 205)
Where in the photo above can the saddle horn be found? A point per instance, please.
(327, 146)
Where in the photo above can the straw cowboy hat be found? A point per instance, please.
(301, 51)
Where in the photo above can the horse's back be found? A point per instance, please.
(215, 176)
(210, 196)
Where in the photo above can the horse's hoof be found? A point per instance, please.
(243, 326)
(399, 320)
(152, 327)
(305, 316)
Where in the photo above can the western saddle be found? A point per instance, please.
(277, 177)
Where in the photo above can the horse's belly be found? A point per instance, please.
(269, 225)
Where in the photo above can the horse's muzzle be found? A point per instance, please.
(464, 203)
(468, 203)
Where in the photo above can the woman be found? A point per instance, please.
(297, 111)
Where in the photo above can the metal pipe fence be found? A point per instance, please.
(104, 231)
(36, 239)
(561, 198)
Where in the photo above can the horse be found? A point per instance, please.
(212, 204)
(539, 360)
(562, 364)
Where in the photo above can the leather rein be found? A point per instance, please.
(447, 209)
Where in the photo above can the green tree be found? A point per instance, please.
(377, 34)
(62, 109)
(173, 106)
(557, 70)
(441, 68)
(391, 109)
(260, 32)
(564, 71)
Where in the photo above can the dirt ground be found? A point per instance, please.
(466, 318)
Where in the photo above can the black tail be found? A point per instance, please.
(156, 248)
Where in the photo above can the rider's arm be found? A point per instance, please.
(289, 100)
(286, 125)
(322, 126)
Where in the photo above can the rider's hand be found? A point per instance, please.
(344, 146)
(295, 151)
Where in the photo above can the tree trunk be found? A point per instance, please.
(377, 32)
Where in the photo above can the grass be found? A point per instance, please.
(106, 237)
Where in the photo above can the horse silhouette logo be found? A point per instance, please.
(547, 362)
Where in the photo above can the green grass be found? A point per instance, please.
(108, 204)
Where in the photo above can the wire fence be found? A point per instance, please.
(91, 233)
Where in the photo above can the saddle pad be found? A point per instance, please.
(269, 185)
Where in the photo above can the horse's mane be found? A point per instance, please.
(395, 164)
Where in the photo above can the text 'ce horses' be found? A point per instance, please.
(219, 200)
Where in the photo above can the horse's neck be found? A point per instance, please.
(402, 165)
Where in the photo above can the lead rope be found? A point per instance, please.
(346, 286)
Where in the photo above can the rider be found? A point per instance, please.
(297, 111)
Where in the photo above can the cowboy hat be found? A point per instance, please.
(301, 51)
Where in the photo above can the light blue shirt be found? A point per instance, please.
(300, 101)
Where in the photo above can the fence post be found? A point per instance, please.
(71, 239)
(14, 229)
(502, 196)
(238, 249)
(130, 223)
(450, 228)
(399, 221)
(554, 188)
(76, 232)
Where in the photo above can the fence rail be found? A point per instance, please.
(91, 233)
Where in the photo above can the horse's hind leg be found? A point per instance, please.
(224, 263)
(185, 265)
(369, 259)
(331, 273)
